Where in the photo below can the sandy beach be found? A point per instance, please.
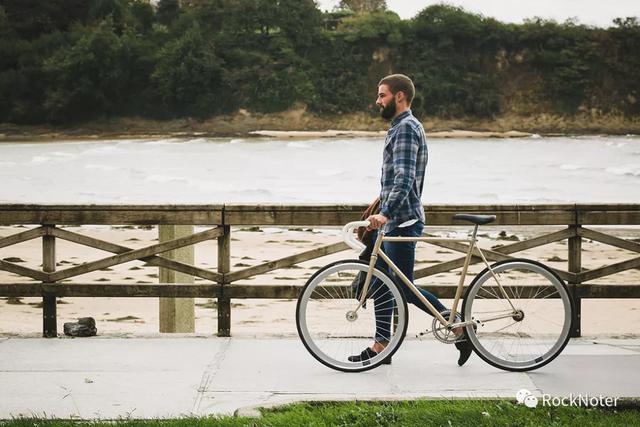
(360, 133)
(274, 318)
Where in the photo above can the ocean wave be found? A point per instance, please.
(250, 192)
(164, 179)
(571, 167)
(532, 199)
(330, 172)
(298, 144)
(231, 194)
(627, 170)
(615, 144)
(8, 163)
(109, 149)
(101, 167)
(40, 159)
(488, 196)
(236, 141)
(159, 142)
(64, 154)
(197, 141)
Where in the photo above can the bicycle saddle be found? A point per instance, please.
(476, 219)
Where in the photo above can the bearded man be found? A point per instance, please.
(401, 213)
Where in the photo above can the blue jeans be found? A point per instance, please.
(403, 255)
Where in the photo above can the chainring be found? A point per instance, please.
(441, 332)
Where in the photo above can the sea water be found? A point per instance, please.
(590, 169)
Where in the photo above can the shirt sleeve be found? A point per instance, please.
(405, 154)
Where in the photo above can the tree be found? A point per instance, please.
(377, 28)
(143, 16)
(363, 6)
(32, 18)
(117, 11)
(168, 11)
(188, 75)
(300, 22)
(91, 77)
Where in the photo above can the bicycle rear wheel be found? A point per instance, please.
(525, 323)
(331, 328)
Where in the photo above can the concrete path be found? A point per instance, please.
(171, 377)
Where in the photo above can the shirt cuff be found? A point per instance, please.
(385, 211)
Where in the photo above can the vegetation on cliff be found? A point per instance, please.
(70, 61)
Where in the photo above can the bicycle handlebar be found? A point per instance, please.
(349, 238)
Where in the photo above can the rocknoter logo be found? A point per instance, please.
(526, 398)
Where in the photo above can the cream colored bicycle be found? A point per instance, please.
(516, 313)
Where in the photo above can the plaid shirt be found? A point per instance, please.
(404, 164)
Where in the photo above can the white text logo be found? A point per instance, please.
(525, 397)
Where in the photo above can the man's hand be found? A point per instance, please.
(376, 221)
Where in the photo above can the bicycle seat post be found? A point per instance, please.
(475, 231)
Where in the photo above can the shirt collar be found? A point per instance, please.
(401, 117)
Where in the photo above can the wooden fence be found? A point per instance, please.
(225, 285)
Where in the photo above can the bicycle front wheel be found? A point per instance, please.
(522, 316)
(331, 325)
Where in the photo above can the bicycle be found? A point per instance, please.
(516, 313)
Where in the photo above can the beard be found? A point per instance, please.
(389, 111)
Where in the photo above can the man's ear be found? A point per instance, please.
(400, 96)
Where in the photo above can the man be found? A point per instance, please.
(401, 212)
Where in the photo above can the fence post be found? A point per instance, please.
(575, 266)
(176, 314)
(224, 266)
(49, 308)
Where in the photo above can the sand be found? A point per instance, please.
(275, 318)
(377, 134)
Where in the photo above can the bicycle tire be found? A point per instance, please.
(518, 350)
(323, 323)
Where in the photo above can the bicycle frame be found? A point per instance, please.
(377, 252)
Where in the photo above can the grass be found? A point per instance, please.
(401, 413)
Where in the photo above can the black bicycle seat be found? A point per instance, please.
(476, 219)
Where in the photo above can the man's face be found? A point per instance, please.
(386, 102)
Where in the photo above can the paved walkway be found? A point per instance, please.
(170, 377)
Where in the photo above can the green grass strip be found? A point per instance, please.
(400, 413)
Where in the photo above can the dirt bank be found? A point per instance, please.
(243, 123)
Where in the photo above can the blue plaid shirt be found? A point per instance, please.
(404, 163)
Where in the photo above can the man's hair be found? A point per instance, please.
(400, 83)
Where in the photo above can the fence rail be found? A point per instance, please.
(226, 284)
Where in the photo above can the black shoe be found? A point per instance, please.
(465, 351)
(367, 354)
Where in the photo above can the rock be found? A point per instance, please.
(84, 327)
(252, 229)
(503, 236)
(13, 259)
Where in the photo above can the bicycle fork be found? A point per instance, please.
(372, 263)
